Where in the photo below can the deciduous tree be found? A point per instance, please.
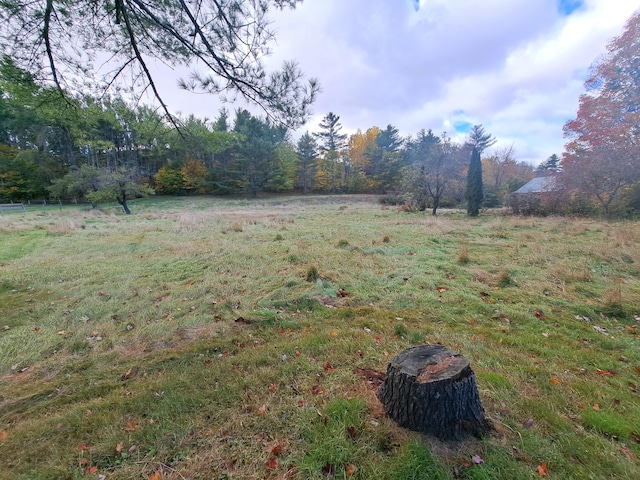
(433, 176)
(601, 159)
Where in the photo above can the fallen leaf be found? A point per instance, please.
(334, 333)
(131, 425)
(126, 376)
(155, 476)
(119, 447)
(272, 387)
(542, 470)
(596, 406)
(351, 431)
(3, 436)
(316, 390)
(477, 460)
(528, 423)
(262, 409)
(441, 289)
(277, 450)
(83, 448)
(91, 470)
(554, 380)
(349, 470)
(607, 372)
(272, 463)
(328, 367)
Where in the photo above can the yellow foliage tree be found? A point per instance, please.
(360, 151)
(194, 173)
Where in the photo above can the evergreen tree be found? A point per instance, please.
(222, 122)
(474, 195)
(549, 166)
(479, 139)
(331, 142)
(330, 137)
(61, 40)
(307, 151)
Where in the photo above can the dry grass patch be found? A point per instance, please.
(232, 353)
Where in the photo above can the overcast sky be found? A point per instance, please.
(515, 66)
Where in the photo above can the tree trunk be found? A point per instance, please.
(432, 390)
(123, 201)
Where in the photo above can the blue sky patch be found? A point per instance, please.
(416, 5)
(567, 7)
(460, 126)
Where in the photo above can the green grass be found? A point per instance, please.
(200, 335)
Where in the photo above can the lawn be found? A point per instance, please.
(231, 338)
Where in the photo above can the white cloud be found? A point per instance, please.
(516, 66)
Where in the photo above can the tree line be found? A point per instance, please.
(59, 141)
(54, 146)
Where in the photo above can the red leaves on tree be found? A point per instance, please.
(600, 159)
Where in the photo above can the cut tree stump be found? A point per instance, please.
(432, 390)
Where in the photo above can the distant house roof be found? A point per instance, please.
(539, 185)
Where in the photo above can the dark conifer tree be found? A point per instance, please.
(474, 194)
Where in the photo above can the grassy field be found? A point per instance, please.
(223, 338)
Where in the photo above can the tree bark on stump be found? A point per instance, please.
(432, 390)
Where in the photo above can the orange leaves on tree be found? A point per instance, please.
(542, 470)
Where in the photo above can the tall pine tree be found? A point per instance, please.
(474, 193)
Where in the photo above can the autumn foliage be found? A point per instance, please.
(600, 165)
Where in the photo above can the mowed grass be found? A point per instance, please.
(226, 338)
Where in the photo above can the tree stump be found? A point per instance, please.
(432, 390)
